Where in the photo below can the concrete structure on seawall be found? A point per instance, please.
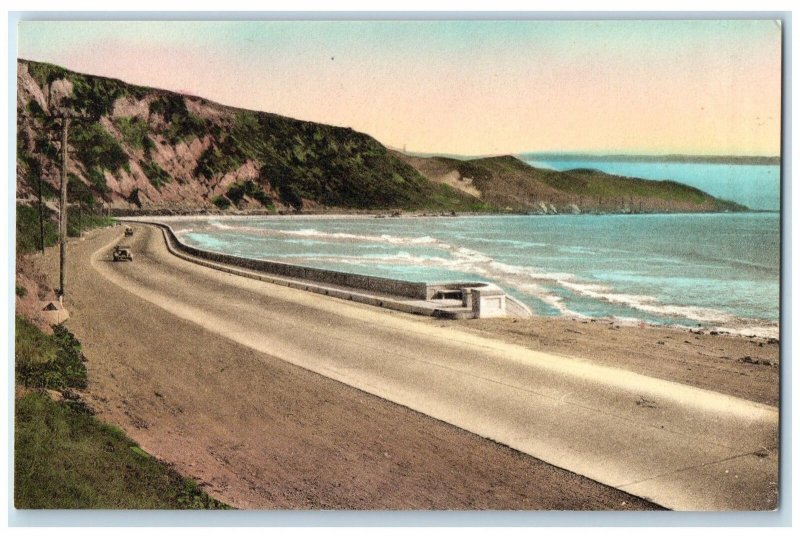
(487, 301)
(450, 300)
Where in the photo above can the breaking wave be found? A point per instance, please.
(526, 279)
(554, 289)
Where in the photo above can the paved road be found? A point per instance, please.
(682, 447)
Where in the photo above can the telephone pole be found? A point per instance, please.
(63, 216)
(41, 214)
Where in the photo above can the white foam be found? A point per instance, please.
(526, 279)
(757, 331)
(523, 278)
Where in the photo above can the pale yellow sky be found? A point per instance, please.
(480, 87)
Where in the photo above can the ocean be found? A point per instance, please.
(693, 270)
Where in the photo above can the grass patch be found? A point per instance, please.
(48, 362)
(28, 230)
(64, 457)
(67, 459)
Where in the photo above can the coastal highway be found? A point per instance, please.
(681, 447)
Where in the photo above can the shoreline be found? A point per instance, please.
(334, 213)
(764, 330)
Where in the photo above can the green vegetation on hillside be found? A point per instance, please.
(249, 188)
(45, 74)
(507, 181)
(333, 166)
(135, 133)
(299, 162)
(181, 124)
(221, 202)
(594, 183)
(98, 151)
(92, 96)
(28, 228)
(66, 458)
(158, 176)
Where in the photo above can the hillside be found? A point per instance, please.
(141, 148)
(507, 183)
(153, 149)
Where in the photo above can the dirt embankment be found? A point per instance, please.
(258, 432)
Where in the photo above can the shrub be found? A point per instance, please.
(158, 176)
(181, 124)
(78, 191)
(237, 191)
(48, 362)
(96, 148)
(221, 202)
(95, 96)
(134, 132)
(44, 73)
(220, 158)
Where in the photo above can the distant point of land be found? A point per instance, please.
(672, 158)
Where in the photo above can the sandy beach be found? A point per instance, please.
(740, 366)
(258, 432)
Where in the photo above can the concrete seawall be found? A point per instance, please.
(478, 298)
(414, 290)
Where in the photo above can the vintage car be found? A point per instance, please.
(122, 253)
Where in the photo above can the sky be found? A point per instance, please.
(463, 87)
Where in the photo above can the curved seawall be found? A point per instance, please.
(472, 299)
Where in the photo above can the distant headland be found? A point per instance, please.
(671, 158)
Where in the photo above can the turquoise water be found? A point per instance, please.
(755, 186)
(712, 270)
